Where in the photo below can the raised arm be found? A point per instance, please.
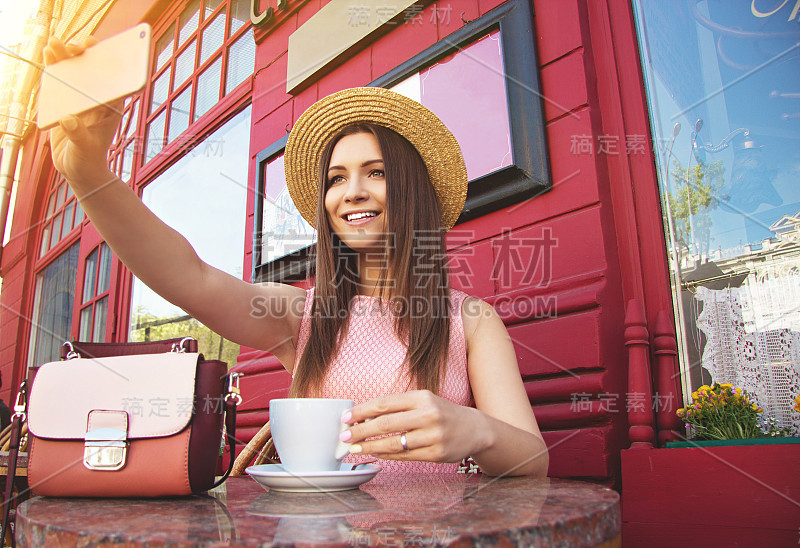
(259, 316)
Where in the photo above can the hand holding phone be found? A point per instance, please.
(83, 125)
(77, 79)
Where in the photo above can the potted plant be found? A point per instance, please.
(722, 414)
(691, 492)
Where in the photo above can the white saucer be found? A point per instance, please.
(277, 478)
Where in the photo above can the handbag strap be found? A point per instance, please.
(83, 349)
(13, 450)
(232, 399)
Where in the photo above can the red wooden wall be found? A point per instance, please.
(603, 211)
(17, 263)
(567, 323)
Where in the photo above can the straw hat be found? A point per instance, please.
(421, 127)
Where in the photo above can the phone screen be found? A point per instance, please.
(113, 68)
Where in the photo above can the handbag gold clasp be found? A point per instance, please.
(22, 399)
(182, 346)
(105, 449)
(234, 392)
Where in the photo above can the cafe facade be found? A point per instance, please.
(633, 210)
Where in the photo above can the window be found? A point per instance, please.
(56, 269)
(203, 196)
(200, 57)
(472, 80)
(72, 296)
(724, 106)
(96, 285)
(62, 216)
(283, 229)
(203, 56)
(53, 302)
(121, 154)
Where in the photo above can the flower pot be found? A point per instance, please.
(720, 443)
(742, 493)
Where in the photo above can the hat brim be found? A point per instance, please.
(422, 128)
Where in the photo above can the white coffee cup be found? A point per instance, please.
(306, 433)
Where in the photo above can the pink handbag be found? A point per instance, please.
(135, 425)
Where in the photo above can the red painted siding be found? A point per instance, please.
(402, 42)
(558, 29)
(567, 321)
(564, 86)
(711, 496)
(356, 71)
(269, 89)
(452, 14)
(566, 318)
(17, 264)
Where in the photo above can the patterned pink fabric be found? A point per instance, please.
(370, 364)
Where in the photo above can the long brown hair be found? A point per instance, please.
(415, 273)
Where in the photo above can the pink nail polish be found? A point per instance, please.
(346, 417)
(346, 435)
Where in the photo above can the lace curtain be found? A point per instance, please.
(753, 342)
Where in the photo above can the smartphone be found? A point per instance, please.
(114, 68)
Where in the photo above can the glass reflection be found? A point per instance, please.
(283, 229)
(203, 196)
(724, 95)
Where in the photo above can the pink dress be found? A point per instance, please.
(370, 364)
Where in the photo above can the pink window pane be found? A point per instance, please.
(467, 90)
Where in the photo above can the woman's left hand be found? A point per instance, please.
(435, 429)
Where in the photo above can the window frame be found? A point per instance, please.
(82, 303)
(127, 138)
(86, 239)
(529, 174)
(221, 108)
(64, 241)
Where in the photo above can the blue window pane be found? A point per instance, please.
(213, 36)
(53, 304)
(208, 88)
(241, 61)
(724, 99)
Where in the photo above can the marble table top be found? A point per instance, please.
(390, 510)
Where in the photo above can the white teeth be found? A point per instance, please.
(357, 216)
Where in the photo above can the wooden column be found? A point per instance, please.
(668, 394)
(640, 388)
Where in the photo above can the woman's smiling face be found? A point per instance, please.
(356, 197)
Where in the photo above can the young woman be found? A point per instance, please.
(382, 179)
